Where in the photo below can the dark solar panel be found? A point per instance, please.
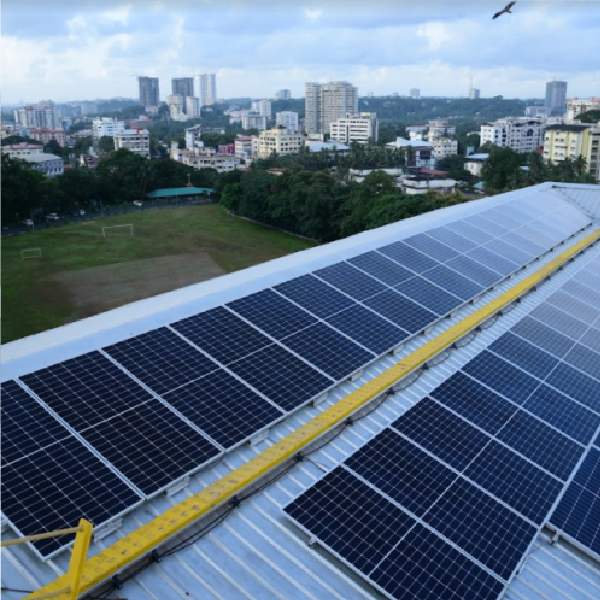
(382, 268)
(508, 252)
(161, 359)
(474, 270)
(470, 232)
(451, 238)
(580, 310)
(222, 406)
(431, 247)
(559, 320)
(585, 360)
(429, 295)
(577, 385)
(404, 312)
(350, 280)
(545, 337)
(409, 257)
(453, 282)
(492, 260)
(523, 244)
(591, 339)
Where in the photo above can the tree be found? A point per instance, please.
(590, 116)
(106, 144)
(53, 147)
(501, 171)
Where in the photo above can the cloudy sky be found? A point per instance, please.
(85, 49)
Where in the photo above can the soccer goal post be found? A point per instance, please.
(125, 229)
(31, 253)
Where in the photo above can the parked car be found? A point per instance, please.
(52, 217)
(28, 222)
(137, 203)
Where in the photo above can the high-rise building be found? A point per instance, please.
(287, 119)
(252, 120)
(283, 94)
(106, 127)
(41, 116)
(415, 93)
(148, 91)
(556, 98)
(521, 134)
(328, 102)
(134, 140)
(571, 141)
(182, 86)
(474, 93)
(362, 128)
(192, 106)
(262, 107)
(208, 89)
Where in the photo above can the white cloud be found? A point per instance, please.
(313, 14)
(435, 34)
(118, 15)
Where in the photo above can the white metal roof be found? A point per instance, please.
(254, 552)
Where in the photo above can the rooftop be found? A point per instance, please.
(180, 191)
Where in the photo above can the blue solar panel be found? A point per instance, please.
(351, 518)
(495, 372)
(350, 280)
(527, 356)
(402, 471)
(470, 232)
(26, 426)
(222, 406)
(474, 270)
(563, 413)
(583, 293)
(328, 350)
(368, 328)
(451, 238)
(474, 402)
(447, 436)
(273, 314)
(577, 385)
(481, 526)
(523, 244)
(402, 311)
(499, 215)
(588, 474)
(591, 339)
(453, 282)
(515, 481)
(87, 389)
(282, 377)
(546, 338)
(544, 446)
(315, 295)
(580, 310)
(515, 255)
(222, 334)
(489, 226)
(431, 247)
(559, 320)
(409, 257)
(585, 360)
(161, 359)
(69, 483)
(492, 260)
(383, 268)
(429, 295)
(425, 567)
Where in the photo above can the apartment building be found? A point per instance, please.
(328, 102)
(571, 141)
(521, 134)
(279, 141)
(134, 140)
(361, 128)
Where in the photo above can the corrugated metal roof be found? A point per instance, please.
(255, 552)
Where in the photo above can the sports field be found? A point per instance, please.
(81, 273)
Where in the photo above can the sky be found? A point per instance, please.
(87, 49)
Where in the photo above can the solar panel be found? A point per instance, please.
(350, 280)
(509, 252)
(591, 339)
(516, 481)
(475, 234)
(409, 315)
(314, 295)
(474, 270)
(55, 488)
(559, 320)
(493, 261)
(382, 268)
(368, 328)
(26, 426)
(282, 377)
(499, 215)
(585, 360)
(523, 244)
(428, 295)
(489, 226)
(577, 385)
(432, 247)
(272, 313)
(87, 389)
(481, 526)
(409, 257)
(580, 310)
(328, 350)
(451, 238)
(583, 293)
(453, 282)
(222, 406)
(161, 359)
(545, 337)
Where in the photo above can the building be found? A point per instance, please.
(48, 164)
(328, 102)
(182, 86)
(556, 98)
(192, 107)
(417, 132)
(415, 185)
(252, 120)
(415, 93)
(439, 128)
(521, 134)
(576, 106)
(287, 119)
(149, 96)
(418, 153)
(191, 194)
(205, 158)
(572, 141)
(244, 146)
(89, 161)
(535, 110)
(444, 147)
(176, 106)
(331, 146)
(192, 137)
(262, 107)
(134, 140)
(474, 93)
(283, 94)
(39, 116)
(474, 163)
(106, 127)
(46, 135)
(21, 150)
(279, 141)
(208, 89)
(362, 128)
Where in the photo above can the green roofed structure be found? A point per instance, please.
(179, 193)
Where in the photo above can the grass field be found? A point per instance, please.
(81, 273)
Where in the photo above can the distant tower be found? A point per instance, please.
(556, 98)
(208, 89)
(148, 91)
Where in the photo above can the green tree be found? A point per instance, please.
(502, 172)
(106, 144)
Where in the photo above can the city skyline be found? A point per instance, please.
(92, 50)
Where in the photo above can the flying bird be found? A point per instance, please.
(506, 9)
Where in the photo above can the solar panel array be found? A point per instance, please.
(446, 501)
(158, 406)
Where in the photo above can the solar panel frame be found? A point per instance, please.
(381, 267)
(409, 257)
(429, 295)
(453, 282)
(431, 247)
(350, 280)
(493, 261)
(449, 237)
(474, 270)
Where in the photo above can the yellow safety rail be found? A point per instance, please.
(174, 520)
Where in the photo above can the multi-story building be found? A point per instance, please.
(535, 110)
(149, 97)
(204, 158)
(415, 93)
(474, 93)
(192, 106)
(176, 106)
(106, 127)
(576, 106)
(279, 141)
(444, 147)
(262, 107)
(474, 163)
(48, 164)
(362, 128)
(46, 135)
(21, 150)
(252, 120)
(208, 89)
(283, 94)
(182, 86)
(571, 141)
(134, 140)
(287, 119)
(193, 137)
(521, 134)
(39, 116)
(328, 102)
(556, 98)
(243, 146)
(418, 153)
(438, 128)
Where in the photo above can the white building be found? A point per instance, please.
(415, 93)
(318, 146)
(283, 94)
(417, 132)
(21, 150)
(134, 140)
(418, 153)
(252, 120)
(106, 127)
(192, 137)
(39, 116)
(474, 163)
(521, 134)
(576, 106)
(192, 106)
(262, 107)
(439, 128)
(279, 141)
(244, 146)
(288, 119)
(362, 128)
(204, 158)
(415, 184)
(327, 102)
(176, 106)
(444, 147)
(48, 164)
(208, 89)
